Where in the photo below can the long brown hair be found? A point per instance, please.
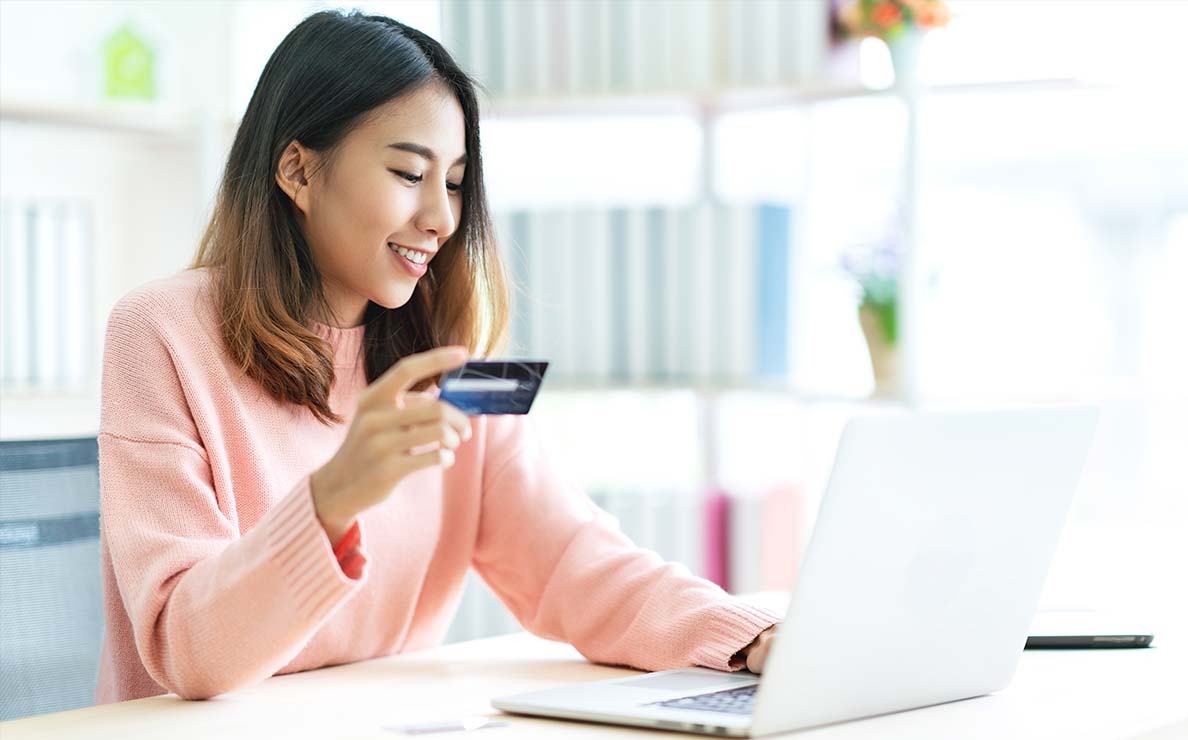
(323, 79)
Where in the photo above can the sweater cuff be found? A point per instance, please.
(734, 625)
(298, 545)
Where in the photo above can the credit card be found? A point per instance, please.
(493, 386)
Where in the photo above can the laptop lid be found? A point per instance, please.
(926, 562)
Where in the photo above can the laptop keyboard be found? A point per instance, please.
(731, 701)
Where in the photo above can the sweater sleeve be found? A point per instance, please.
(212, 609)
(567, 573)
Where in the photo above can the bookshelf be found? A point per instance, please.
(731, 79)
(98, 198)
(147, 119)
(731, 332)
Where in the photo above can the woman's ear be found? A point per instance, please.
(292, 174)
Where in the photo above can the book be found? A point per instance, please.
(635, 272)
(735, 269)
(703, 317)
(590, 290)
(695, 48)
(766, 37)
(77, 363)
(746, 528)
(517, 249)
(675, 295)
(560, 308)
(654, 314)
(497, 27)
(717, 538)
(773, 276)
(45, 233)
(455, 31)
(17, 292)
(785, 533)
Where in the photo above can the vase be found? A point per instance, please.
(884, 355)
(905, 57)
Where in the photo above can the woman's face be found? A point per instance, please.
(386, 202)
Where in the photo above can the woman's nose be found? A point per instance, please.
(436, 214)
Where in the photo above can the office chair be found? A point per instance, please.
(51, 593)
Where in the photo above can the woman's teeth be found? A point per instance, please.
(418, 257)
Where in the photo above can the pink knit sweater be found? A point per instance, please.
(217, 574)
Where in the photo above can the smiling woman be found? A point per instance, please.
(277, 491)
(345, 194)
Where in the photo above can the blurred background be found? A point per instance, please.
(733, 225)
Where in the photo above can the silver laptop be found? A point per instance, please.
(918, 586)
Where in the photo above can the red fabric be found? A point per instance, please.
(346, 552)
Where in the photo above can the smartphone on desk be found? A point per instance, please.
(1086, 629)
(493, 386)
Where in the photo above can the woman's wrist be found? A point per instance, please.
(334, 521)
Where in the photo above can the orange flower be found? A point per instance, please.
(933, 15)
(886, 14)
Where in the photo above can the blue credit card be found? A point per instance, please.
(493, 387)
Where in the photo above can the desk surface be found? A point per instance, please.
(1105, 694)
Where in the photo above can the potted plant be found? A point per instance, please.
(898, 23)
(875, 270)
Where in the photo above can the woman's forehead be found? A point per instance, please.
(429, 116)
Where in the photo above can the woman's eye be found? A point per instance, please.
(414, 179)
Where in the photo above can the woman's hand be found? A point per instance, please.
(756, 652)
(394, 433)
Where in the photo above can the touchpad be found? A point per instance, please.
(685, 680)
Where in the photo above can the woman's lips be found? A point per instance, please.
(412, 268)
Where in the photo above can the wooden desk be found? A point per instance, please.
(1055, 695)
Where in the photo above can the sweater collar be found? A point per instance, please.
(346, 342)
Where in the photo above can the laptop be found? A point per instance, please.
(918, 586)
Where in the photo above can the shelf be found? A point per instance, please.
(708, 390)
(737, 99)
(151, 119)
(48, 416)
(171, 123)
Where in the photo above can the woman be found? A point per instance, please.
(281, 488)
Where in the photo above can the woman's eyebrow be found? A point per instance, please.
(423, 151)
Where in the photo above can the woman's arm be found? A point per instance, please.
(211, 610)
(567, 573)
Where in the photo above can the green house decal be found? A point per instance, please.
(128, 63)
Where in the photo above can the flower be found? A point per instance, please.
(886, 19)
(875, 267)
(934, 16)
(886, 14)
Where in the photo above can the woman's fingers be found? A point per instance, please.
(419, 409)
(394, 432)
(442, 457)
(389, 387)
(428, 409)
(757, 657)
(408, 440)
(410, 461)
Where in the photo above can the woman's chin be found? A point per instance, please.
(395, 297)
